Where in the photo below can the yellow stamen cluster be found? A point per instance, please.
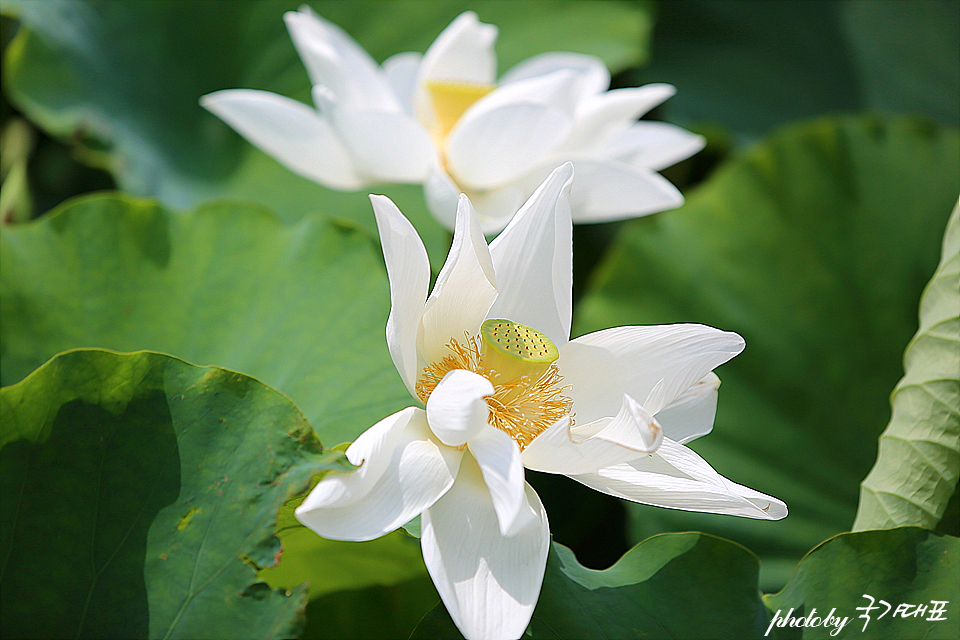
(522, 407)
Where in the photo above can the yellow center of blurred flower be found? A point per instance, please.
(450, 100)
(520, 362)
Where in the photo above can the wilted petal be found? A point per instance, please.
(498, 457)
(602, 366)
(654, 145)
(492, 148)
(678, 478)
(290, 131)
(464, 290)
(388, 146)
(533, 259)
(456, 410)
(592, 74)
(408, 270)
(608, 190)
(402, 471)
(334, 60)
(488, 582)
(691, 414)
(590, 447)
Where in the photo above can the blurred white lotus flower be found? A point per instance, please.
(489, 355)
(441, 119)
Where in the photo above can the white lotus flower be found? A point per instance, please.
(489, 355)
(441, 119)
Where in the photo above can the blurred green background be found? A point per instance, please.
(814, 220)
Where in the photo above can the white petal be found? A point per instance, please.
(593, 446)
(333, 59)
(293, 133)
(557, 89)
(496, 207)
(489, 583)
(678, 478)
(602, 117)
(456, 410)
(533, 259)
(400, 70)
(408, 270)
(633, 428)
(691, 414)
(386, 146)
(463, 52)
(520, 122)
(608, 190)
(442, 196)
(654, 145)
(498, 457)
(555, 451)
(602, 366)
(402, 471)
(492, 148)
(593, 76)
(464, 290)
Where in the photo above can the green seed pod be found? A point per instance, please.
(511, 350)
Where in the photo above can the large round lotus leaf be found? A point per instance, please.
(300, 307)
(121, 80)
(683, 585)
(904, 568)
(141, 495)
(815, 247)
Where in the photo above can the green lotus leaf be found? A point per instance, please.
(141, 497)
(919, 459)
(300, 307)
(904, 568)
